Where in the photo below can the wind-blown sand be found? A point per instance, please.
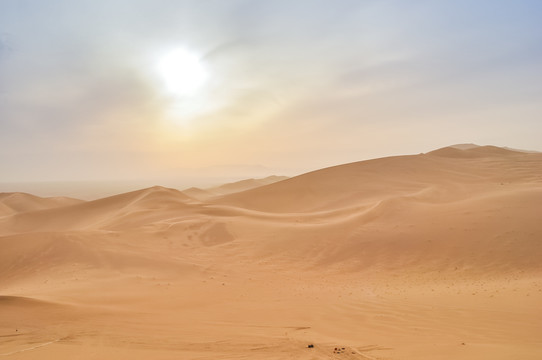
(432, 256)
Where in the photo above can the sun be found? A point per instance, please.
(182, 72)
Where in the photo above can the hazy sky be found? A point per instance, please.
(291, 85)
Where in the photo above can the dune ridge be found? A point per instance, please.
(230, 188)
(11, 203)
(376, 179)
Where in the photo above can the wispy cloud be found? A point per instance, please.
(300, 84)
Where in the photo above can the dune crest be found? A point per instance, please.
(11, 203)
(231, 188)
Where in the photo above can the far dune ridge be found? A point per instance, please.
(429, 256)
(230, 188)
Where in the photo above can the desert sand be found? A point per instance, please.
(429, 256)
(230, 188)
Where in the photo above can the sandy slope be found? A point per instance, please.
(230, 188)
(245, 185)
(12, 203)
(443, 175)
(433, 256)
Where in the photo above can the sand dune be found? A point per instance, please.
(230, 188)
(197, 193)
(431, 256)
(245, 185)
(467, 151)
(93, 214)
(374, 180)
(11, 203)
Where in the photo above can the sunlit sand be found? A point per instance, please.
(431, 256)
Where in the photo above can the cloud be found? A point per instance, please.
(312, 76)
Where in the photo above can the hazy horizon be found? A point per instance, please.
(90, 90)
(202, 178)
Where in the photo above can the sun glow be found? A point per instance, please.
(182, 72)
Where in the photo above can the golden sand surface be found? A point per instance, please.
(430, 256)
